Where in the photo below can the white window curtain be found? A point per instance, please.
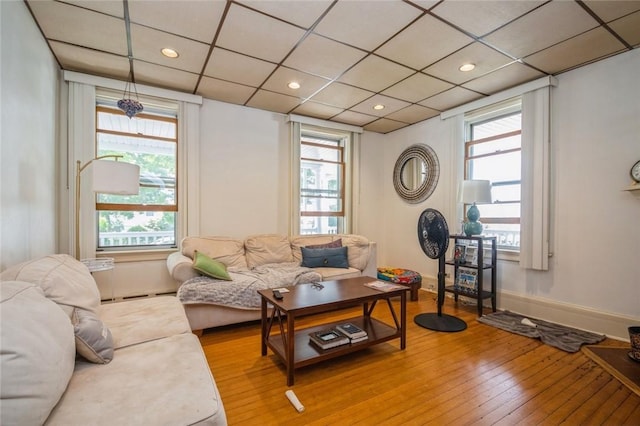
(294, 197)
(534, 214)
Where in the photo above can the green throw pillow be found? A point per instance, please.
(211, 267)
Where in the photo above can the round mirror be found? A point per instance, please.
(416, 173)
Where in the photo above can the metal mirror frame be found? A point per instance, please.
(427, 155)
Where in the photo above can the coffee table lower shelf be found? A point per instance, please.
(306, 353)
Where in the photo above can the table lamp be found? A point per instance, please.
(474, 192)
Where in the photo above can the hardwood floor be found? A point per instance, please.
(480, 376)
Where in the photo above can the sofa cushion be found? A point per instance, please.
(325, 257)
(142, 320)
(63, 279)
(162, 382)
(37, 354)
(333, 244)
(226, 250)
(93, 339)
(267, 248)
(210, 267)
(358, 253)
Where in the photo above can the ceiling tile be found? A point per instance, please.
(110, 7)
(273, 101)
(481, 17)
(63, 22)
(366, 24)
(413, 114)
(299, 12)
(341, 95)
(417, 87)
(309, 84)
(147, 43)
(390, 105)
(485, 59)
(609, 10)
(224, 91)
(315, 109)
(321, 56)
(584, 48)
(80, 59)
(425, 4)
(231, 66)
(355, 118)
(384, 125)
(257, 35)
(197, 20)
(159, 76)
(451, 98)
(504, 78)
(375, 73)
(423, 43)
(552, 23)
(628, 28)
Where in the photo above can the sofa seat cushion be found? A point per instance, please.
(37, 356)
(162, 382)
(142, 320)
(242, 291)
(63, 279)
(267, 248)
(226, 250)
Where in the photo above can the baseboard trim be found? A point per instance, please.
(612, 325)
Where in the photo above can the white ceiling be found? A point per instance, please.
(347, 55)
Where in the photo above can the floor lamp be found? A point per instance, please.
(109, 177)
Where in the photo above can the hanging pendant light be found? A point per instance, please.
(130, 106)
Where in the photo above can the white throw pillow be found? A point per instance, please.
(93, 339)
(37, 354)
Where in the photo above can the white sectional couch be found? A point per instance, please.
(146, 367)
(249, 261)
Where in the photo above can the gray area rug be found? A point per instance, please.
(565, 338)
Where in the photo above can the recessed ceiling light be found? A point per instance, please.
(169, 53)
(378, 107)
(294, 85)
(467, 67)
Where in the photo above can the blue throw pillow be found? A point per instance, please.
(325, 257)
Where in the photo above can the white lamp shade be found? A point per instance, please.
(115, 177)
(475, 191)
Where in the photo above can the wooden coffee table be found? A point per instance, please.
(293, 347)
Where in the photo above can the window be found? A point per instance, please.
(323, 177)
(150, 141)
(493, 152)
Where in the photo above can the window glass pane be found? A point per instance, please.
(150, 141)
(507, 235)
(321, 225)
(497, 145)
(503, 193)
(499, 210)
(497, 168)
(496, 126)
(320, 153)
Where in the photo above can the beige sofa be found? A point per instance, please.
(68, 360)
(247, 261)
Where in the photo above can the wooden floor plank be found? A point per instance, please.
(479, 376)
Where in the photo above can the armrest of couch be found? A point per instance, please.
(180, 267)
(371, 270)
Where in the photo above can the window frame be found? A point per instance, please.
(105, 104)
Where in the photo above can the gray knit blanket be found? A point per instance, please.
(566, 338)
(242, 291)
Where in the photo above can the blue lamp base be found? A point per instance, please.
(473, 226)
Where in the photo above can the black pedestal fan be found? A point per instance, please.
(433, 234)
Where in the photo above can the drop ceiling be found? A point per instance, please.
(347, 55)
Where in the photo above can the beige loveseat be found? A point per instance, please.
(68, 360)
(248, 261)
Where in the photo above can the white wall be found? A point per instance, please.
(28, 156)
(595, 269)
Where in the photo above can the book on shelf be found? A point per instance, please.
(384, 286)
(327, 339)
(467, 280)
(359, 339)
(351, 331)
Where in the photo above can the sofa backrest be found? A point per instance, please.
(267, 248)
(226, 250)
(62, 278)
